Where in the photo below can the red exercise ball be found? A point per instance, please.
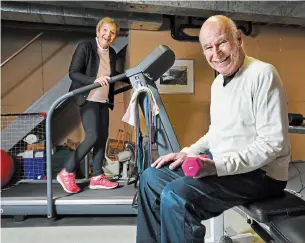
(7, 168)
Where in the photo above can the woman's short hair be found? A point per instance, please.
(108, 20)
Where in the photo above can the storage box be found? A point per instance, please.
(34, 168)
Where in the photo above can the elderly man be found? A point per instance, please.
(248, 140)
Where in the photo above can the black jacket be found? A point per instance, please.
(84, 67)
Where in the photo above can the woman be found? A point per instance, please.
(93, 61)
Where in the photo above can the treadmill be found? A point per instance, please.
(47, 198)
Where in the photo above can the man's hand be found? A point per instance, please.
(103, 80)
(208, 168)
(175, 158)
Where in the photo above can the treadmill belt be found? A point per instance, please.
(34, 190)
(28, 191)
(122, 192)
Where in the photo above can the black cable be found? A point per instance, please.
(303, 187)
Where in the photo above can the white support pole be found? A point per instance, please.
(217, 229)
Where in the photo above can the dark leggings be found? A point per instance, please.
(95, 119)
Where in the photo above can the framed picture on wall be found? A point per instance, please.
(179, 79)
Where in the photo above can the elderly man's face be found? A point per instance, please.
(220, 48)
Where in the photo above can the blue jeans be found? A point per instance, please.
(172, 206)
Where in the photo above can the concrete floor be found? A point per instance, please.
(86, 229)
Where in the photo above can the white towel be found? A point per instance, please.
(130, 115)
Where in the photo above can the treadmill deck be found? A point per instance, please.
(26, 198)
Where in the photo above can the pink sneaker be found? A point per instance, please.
(101, 182)
(67, 181)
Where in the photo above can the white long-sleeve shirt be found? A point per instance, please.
(249, 123)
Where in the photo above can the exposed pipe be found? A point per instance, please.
(71, 15)
(46, 28)
(177, 30)
(246, 31)
(21, 49)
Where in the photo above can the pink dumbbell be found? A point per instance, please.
(192, 165)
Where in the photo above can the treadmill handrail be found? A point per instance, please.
(58, 102)
(165, 57)
(97, 85)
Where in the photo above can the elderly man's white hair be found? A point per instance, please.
(225, 23)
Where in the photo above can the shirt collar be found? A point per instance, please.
(99, 46)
